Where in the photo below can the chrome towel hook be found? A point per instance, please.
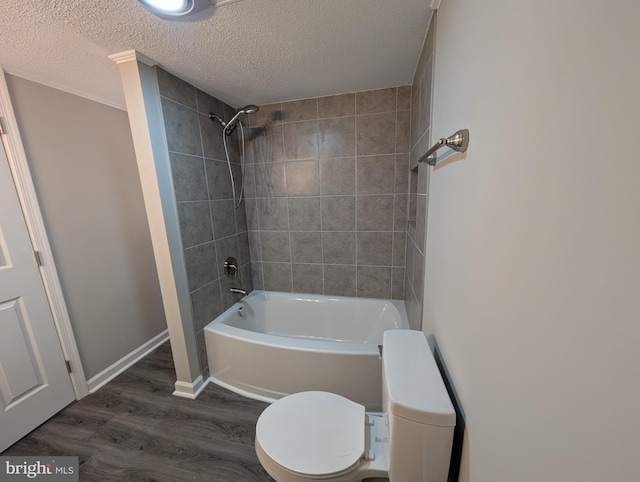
(458, 142)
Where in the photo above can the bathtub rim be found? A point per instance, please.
(310, 345)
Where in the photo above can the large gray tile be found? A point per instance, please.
(300, 110)
(308, 278)
(206, 304)
(200, 262)
(195, 223)
(241, 217)
(244, 253)
(376, 134)
(301, 140)
(399, 248)
(336, 105)
(249, 181)
(176, 89)
(400, 211)
(218, 180)
(401, 175)
(277, 277)
(339, 247)
(264, 144)
(338, 213)
(306, 247)
(275, 246)
(375, 248)
(256, 275)
(397, 283)
(403, 101)
(374, 282)
(224, 218)
(376, 174)
(272, 214)
(338, 176)
(251, 210)
(255, 246)
(336, 137)
(304, 213)
(375, 212)
(207, 103)
(246, 275)
(303, 178)
(189, 179)
(270, 179)
(375, 101)
(182, 128)
(340, 280)
(403, 131)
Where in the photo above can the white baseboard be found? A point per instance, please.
(190, 390)
(109, 373)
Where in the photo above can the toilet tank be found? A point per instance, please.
(417, 408)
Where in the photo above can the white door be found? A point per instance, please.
(34, 383)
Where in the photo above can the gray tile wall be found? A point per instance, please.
(211, 228)
(419, 180)
(327, 194)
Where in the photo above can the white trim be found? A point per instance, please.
(109, 373)
(63, 88)
(190, 390)
(129, 55)
(35, 224)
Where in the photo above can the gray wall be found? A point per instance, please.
(327, 193)
(212, 229)
(419, 181)
(82, 161)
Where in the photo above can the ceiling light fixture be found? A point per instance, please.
(174, 9)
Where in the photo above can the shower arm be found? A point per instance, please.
(458, 142)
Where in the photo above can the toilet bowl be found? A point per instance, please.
(323, 436)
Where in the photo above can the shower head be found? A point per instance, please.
(247, 109)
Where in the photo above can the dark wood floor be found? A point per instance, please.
(134, 429)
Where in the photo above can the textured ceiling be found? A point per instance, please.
(249, 51)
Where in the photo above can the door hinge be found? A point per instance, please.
(68, 364)
(38, 258)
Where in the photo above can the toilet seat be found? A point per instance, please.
(313, 434)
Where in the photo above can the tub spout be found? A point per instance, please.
(239, 291)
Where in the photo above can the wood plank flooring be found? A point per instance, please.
(134, 429)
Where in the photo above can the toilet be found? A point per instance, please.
(323, 436)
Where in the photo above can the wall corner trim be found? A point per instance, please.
(190, 390)
(129, 55)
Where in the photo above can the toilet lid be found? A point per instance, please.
(312, 433)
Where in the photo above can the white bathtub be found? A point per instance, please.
(272, 344)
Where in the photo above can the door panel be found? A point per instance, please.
(34, 383)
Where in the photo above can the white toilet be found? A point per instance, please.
(323, 436)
